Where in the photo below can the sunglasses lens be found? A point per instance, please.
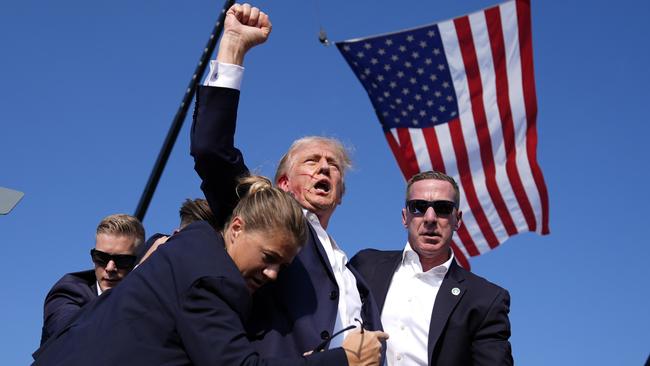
(420, 207)
(122, 261)
(443, 207)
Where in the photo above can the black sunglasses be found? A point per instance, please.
(122, 261)
(420, 207)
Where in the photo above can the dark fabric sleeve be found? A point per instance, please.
(490, 345)
(216, 160)
(213, 334)
(61, 305)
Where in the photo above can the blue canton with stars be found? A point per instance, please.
(406, 76)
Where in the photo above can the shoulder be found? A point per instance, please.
(367, 256)
(82, 278)
(480, 286)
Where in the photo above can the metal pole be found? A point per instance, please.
(177, 123)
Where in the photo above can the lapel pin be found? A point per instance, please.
(455, 291)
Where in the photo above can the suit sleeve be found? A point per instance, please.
(61, 305)
(213, 334)
(216, 160)
(490, 345)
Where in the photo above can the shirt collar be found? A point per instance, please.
(411, 259)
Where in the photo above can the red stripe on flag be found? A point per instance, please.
(495, 31)
(465, 173)
(468, 51)
(467, 241)
(431, 138)
(460, 256)
(530, 101)
(403, 151)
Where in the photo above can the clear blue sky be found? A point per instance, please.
(88, 91)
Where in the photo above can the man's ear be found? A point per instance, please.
(459, 220)
(283, 183)
(404, 217)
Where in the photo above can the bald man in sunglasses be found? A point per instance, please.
(118, 237)
(436, 312)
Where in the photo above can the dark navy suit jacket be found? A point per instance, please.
(65, 299)
(469, 328)
(298, 311)
(185, 305)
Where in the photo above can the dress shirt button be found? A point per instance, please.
(324, 335)
(334, 295)
(399, 357)
(402, 327)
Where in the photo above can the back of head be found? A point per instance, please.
(267, 208)
(196, 210)
(122, 225)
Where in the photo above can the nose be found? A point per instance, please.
(110, 266)
(271, 272)
(323, 166)
(430, 215)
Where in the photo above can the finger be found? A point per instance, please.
(245, 13)
(234, 10)
(254, 16)
(382, 336)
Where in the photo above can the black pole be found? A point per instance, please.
(177, 123)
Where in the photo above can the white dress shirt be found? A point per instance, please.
(349, 306)
(407, 310)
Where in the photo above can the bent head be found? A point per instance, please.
(431, 216)
(117, 239)
(265, 233)
(313, 171)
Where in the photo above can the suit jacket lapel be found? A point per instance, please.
(445, 304)
(382, 277)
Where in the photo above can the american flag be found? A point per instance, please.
(459, 97)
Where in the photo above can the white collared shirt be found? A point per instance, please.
(224, 75)
(99, 289)
(407, 311)
(349, 306)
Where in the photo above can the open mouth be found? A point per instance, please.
(323, 186)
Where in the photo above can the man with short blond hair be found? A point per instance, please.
(116, 241)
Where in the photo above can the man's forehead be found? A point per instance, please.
(431, 187)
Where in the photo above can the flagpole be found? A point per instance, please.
(177, 123)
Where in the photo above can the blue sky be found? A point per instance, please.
(88, 91)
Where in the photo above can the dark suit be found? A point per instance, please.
(185, 305)
(470, 328)
(64, 300)
(298, 311)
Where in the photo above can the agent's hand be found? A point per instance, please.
(244, 28)
(364, 349)
(160, 241)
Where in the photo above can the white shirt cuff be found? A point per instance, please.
(224, 75)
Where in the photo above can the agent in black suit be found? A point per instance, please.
(304, 306)
(468, 325)
(187, 303)
(118, 237)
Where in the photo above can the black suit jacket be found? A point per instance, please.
(470, 328)
(298, 311)
(65, 299)
(185, 305)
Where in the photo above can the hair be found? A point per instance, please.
(196, 210)
(341, 153)
(264, 207)
(432, 174)
(122, 225)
